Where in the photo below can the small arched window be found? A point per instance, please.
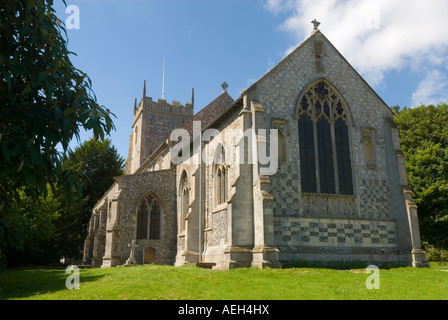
(149, 219)
(220, 176)
(184, 200)
(325, 161)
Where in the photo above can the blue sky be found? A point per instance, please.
(398, 46)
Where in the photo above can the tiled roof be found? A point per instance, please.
(209, 113)
(206, 116)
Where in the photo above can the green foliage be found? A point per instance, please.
(2, 262)
(44, 99)
(395, 109)
(97, 163)
(29, 230)
(71, 226)
(45, 102)
(424, 141)
(44, 230)
(434, 254)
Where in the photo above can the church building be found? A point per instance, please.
(305, 165)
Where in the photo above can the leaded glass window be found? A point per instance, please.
(148, 219)
(307, 157)
(221, 176)
(325, 161)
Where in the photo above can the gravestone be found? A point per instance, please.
(149, 255)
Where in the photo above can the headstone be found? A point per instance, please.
(149, 255)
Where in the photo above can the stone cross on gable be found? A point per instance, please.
(318, 47)
(224, 86)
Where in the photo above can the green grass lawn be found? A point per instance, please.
(192, 283)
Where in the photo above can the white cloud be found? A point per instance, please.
(431, 89)
(277, 6)
(377, 36)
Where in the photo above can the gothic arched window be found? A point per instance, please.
(221, 186)
(221, 176)
(325, 161)
(148, 219)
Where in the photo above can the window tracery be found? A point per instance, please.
(325, 160)
(148, 219)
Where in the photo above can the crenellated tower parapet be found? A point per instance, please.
(161, 106)
(154, 120)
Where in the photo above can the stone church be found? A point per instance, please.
(337, 189)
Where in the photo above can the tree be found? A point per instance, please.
(44, 230)
(31, 230)
(424, 139)
(97, 162)
(44, 99)
(395, 109)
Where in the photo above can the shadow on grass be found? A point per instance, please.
(20, 284)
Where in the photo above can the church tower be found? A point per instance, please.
(153, 123)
